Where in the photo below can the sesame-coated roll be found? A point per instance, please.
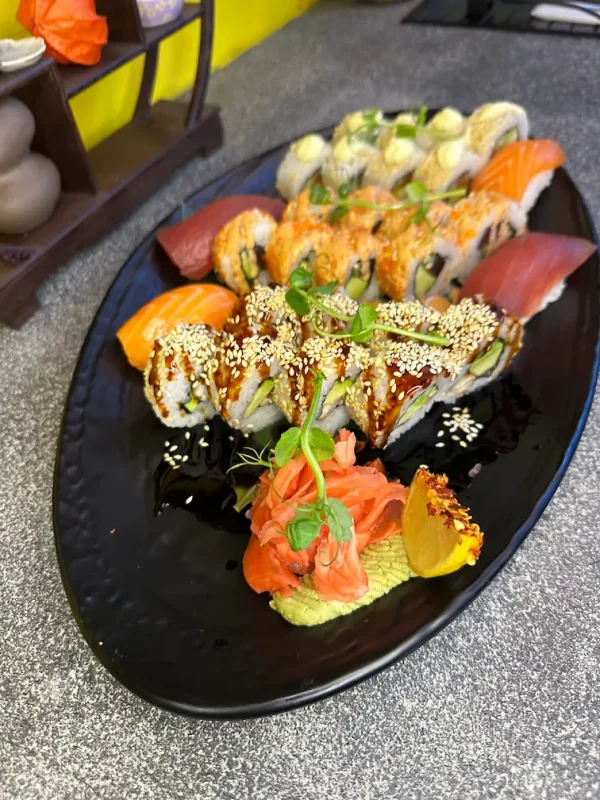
(411, 316)
(239, 249)
(403, 380)
(340, 360)
(178, 376)
(483, 340)
(260, 337)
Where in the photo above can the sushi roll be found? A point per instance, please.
(521, 171)
(367, 219)
(265, 311)
(411, 263)
(350, 258)
(295, 243)
(347, 162)
(257, 341)
(393, 166)
(412, 316)
(494, 125)
(446, 124)
(483, 340)
(406, 118)
(303, 208)
(239, 249)
(449, 165)
(482, 222)
(340, 360)
(364, 125)
(399, 386)
(178, 377)
(302, 165)
(398, 222)
(319, 321)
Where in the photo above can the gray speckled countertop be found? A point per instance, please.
(505, 703)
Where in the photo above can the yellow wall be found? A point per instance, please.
(109, 104)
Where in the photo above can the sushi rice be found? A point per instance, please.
(179, 374)
(302, 165)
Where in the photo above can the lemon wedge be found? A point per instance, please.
(438, 533)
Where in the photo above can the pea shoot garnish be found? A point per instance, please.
(305, 297)
(416, 193)
(317, 447)
(374, 123)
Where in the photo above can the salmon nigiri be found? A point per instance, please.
(528, 272)
(521, 170)
(193, 303)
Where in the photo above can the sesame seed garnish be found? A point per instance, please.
(173, 448)
(187, 435)
(440, 444)
(204, 444)
(189, 500)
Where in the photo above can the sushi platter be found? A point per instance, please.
(321, 407)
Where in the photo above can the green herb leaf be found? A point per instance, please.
(319, 195)
(245, 496)
(337, 213)
(405, 131)
(286, 447)
(304, 528)
(415, 191)
(345, 189)
(339, 520)
(300, 278)
(328, 288)
(422, 116)
(298, 302)
(361, 329)
(370, 115)
(321, 444)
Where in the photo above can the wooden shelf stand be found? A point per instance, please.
(102, 186)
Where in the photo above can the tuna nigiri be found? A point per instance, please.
(528, 272)
(521, 171)
(189, 243)
(194, 303)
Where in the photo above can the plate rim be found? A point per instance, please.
(353, 677)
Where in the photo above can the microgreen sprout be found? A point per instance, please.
(317, 447)
(304, 297)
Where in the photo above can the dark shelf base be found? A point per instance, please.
(486, 14)
(128, 167)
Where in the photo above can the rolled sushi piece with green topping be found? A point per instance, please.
(179, 376)
(340, 360)
(347, 162)
(301, 168)
(403, 380)
(483, 339)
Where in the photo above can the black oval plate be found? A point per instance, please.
(162, 600)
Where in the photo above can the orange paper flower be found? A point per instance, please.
(73, 32)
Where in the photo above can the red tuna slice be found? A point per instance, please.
(519, 275)
(189, 243)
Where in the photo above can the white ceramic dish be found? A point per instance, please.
(18, 54)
